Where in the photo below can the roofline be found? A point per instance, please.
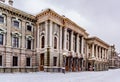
(16, 11)
(96, 38)
(63, 17)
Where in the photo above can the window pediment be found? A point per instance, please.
(2, 31)
(16, 34)
(29, 37)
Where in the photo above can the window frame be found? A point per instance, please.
(30, 26)
(55, 61)
(1, 64)
(55, 42)
(42, 42)
(13, 62)
(29, 62)
(17, 44)
(27, 44)
(1, 22)
(2, 36)
(17, 20)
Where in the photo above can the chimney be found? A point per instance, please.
(2, 1)
(10, 2)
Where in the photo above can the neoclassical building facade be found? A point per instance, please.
(47, 42)
(97, 54)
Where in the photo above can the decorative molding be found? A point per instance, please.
(16, 34)
(29, 37)
(2, 31)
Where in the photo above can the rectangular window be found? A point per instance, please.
(15, 61)
(15, 42)
(54, 61)
(16, 24)
(29, 44)
(0, 60)
(28, 61)
(1, 39)
(1, 19)
(29, 27)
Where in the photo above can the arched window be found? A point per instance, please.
(55, 43)
(43, 42)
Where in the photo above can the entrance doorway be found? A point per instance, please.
(41, 62)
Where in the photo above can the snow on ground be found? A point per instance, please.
(101, 76)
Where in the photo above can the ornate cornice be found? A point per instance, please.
(98, 40)
(14, 11)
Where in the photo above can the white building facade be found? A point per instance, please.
(45, 42)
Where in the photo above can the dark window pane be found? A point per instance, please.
(15, 61)
(1, 39)
(16, 24)
(15, 42)
(28, 44)
(55, 61)
(29, 28)
(28, 61)
(43, 42)
(0, 60)
(55, 43)
(1, 19)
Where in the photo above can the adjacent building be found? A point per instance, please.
(114, 58)
(47, 42)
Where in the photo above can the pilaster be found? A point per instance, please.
(9, 25)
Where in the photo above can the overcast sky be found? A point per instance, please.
(100, 18)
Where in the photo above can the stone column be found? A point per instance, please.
(23, 41)
(93, 50)
(82, 45)
(99, 52)
(106, 54)
(46, 34)
(38, 37)
(60, 38)
(78, 43)
(50, 34)
(9, 24)
(65, 37)
(60, 46)
(72, 41)
(103, 53)
(7, 58)
(96, 51)
(22, 45)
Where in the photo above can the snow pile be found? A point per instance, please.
(103, 76)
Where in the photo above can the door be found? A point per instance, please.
(41, 62)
